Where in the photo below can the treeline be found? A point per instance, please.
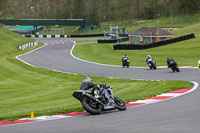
(99, 10)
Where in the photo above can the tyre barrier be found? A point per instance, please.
(27, 45)
(88, 35)
(152, 45)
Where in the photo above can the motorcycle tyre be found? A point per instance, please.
(173, 69)
(89, 109)
(119, 107)
(153, 66)
(177, 69)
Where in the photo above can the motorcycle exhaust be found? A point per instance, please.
(93, 98)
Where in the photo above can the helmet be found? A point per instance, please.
(148, 56)
(87, 79)
(125, 55)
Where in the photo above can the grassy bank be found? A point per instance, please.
(185, 53)
(25, 89)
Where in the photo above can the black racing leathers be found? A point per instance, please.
(169, 61)
(87, 85)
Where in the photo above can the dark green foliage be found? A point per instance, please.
(96, 9)
(189, 6)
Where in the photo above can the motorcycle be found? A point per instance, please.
(174, 66)
(151, 63)
(98, 99)
(125, 62)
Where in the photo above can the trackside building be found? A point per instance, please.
(147, 35)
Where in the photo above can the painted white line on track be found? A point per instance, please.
(147, 101)
(151, 101)
(17, 57)
(88, 61)
(170, 94)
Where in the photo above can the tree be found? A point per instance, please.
(189, 6)
(77, 8)
(3, 4)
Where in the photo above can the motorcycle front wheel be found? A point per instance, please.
(91, 106)
(120, 104)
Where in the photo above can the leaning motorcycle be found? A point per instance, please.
(126, 62)
(98, 99)
(151, 63)
(174, 66)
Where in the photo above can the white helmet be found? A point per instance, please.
(87, 79)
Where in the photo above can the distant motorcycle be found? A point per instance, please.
(98, 99)
(125, 62)
(174, 66)
(151, 63)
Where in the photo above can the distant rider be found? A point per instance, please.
(199, 65)
(125, 57)
(147, 58)
(169, 61)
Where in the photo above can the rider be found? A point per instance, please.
(125, 57)
(147, 58)
(87, 84)
(199, 65)
(169, 61)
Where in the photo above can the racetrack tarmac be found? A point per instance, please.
(178, 115)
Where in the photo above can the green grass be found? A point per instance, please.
(185, 53)
(25, 89)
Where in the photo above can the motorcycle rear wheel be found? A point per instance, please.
(120, 104)
(177, 69)
(91, 106)
(173, 69)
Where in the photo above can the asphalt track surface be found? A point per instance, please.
(179, 115)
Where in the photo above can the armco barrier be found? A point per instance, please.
(27, 45)
(152, 45)
(64, 36)
(69, 36)
(112, 40)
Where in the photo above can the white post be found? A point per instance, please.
(20, 47)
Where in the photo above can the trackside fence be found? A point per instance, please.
(27, 45)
